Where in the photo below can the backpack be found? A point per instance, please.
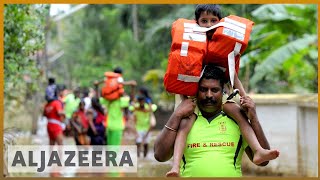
(51, 92)
(112, 89)
(227, 44)
(188, 48)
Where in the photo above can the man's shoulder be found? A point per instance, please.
(225, 116)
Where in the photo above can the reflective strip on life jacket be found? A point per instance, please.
(187, 78)
(54, 121)
(184, 49)
(231, 61)
(237, 23)
(221, 24)
(195, 37)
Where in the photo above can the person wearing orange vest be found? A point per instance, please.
(115, 117)
(119, 71)
(208, 15)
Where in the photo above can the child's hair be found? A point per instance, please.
(118, 70)
(209, 8)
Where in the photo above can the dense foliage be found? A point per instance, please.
(24, 32)
(281, 57)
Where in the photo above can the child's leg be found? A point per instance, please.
(260, 155)
(179, 145)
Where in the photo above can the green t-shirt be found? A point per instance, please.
(213, 149)
(71, 104)
(115, 112)
(143, 118)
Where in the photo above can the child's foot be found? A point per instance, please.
(263, 155)
(172, 174)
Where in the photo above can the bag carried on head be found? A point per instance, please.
(188, 48)
(228, 42)
(112, 89)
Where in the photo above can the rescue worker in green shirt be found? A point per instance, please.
(115, 122)
(214, 145)
(71, 103)
(142, 118)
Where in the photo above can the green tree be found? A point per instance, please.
(23, 38)
(283, 49)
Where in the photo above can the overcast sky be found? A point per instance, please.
(56, 8)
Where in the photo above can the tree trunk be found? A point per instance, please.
(135, 21)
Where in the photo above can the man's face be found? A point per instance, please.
(141, 103)
(209, 95)
(81, 106)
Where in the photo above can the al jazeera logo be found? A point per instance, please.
(222, 127)
(65, 158)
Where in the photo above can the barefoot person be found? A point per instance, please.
(211, 142)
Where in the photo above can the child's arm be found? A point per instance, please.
(164, 143)
(179, 145)
(238, 85)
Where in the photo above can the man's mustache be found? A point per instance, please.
(209, 101)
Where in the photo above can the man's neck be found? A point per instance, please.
(210, 115)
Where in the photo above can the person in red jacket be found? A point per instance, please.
(53, 111)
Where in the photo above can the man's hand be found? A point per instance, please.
(132, 83)
(96, 83)
(249, 107)
(185, 108)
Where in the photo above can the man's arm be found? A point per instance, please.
(250, 109)
(96, 87)
(131, 82)
(164, 143)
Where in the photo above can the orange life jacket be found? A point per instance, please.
(188, 49)
(228, 42)
(112, 89)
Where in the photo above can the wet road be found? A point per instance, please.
(147, 167)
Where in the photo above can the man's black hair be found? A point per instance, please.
(213, 72)
(209, 8)
(118, 70)
(144, 90)
(61, 87)
(51, 80)
(140, 98)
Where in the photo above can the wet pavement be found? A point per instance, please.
(147, 167)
